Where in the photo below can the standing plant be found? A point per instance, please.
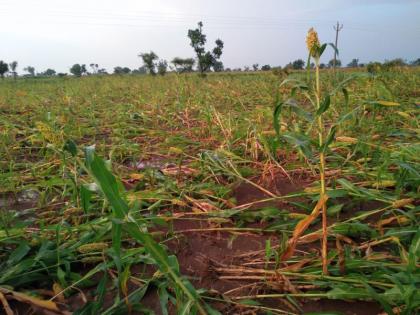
(304, 143)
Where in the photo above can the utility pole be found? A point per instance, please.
(337, 28)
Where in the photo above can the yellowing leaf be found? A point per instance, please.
(24, 298)
(136, 176)
(404, 114)
(387, 103)
(383, 184)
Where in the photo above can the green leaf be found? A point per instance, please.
(17, 255)
(334, 210)
(330, 138)
(379, 298)
(301, 141)
(346, 96)
(186, 308)
(249, 302)
(354, 229)
(322, 49)
(163, 298)
(298, 110)
(71, 147)
(414, 252)
(108, 185)
(323, 107)
(334, 47)
(276, 117)
(346, 292)
(85, 197)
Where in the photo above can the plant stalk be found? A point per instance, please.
(324, 252)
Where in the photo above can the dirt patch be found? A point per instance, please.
(342, 307)
(280, 186)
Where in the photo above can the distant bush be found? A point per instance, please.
(279, 72)
(388, 65)
(374, 67)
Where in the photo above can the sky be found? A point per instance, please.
(58, 33)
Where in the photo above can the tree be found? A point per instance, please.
(30, 70)
(415, 62)
(140, 70)
(255, 66)
(354, 63)
(162, 67)
(246, 68)
(4, 68)
(149, 60)
(94, 67)
(298, 64)
(78, 70)
(49, 73)
(183, 65)
(206, 59)
(322, 66)
(397, 62)
(122, 70)
(218, 66)
(266, 68)
(337, 63)
(13, 66)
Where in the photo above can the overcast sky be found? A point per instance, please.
(58, 33)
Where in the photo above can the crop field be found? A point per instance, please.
(237, 193)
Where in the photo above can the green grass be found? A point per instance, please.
(221, 130)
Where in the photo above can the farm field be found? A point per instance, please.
(187, 195)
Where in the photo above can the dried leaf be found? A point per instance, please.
(302, 226)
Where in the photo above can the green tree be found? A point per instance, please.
(140, 70)
(255, 66)
(78, 70)
(49, 72)
(13, 66)
(122, 70)
(30, 70)
(162, 67)
(4, 68)
(298, 64)
(149, 61)
(183, 65)
(206, 59)
(218, 66)
(266, 68)
(397, 62)
(337, 63)
(354, 63)
(415, 62)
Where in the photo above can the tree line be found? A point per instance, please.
(204, 61)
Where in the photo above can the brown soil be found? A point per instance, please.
(342, 307)
(201, 253)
